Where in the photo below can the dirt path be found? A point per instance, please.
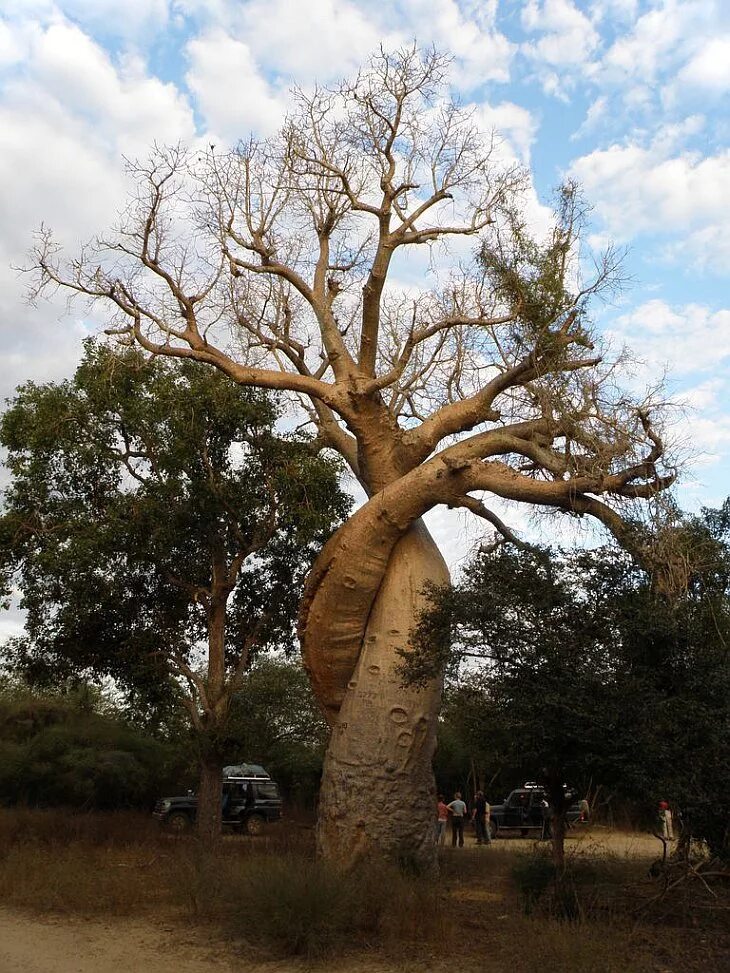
(42, 944)
(31, 944)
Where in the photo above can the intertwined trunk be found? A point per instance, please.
(377, 796)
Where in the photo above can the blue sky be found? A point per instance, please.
(628, 96)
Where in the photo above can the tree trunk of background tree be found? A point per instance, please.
(558, 844)
(210, 791)
(210, 801)
(378, 795)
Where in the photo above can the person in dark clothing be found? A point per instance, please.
(547, 813)
(479, 816)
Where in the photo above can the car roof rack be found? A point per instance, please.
(246, 771)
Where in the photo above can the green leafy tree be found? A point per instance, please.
(275, 721)
(65, 749)
(586, 672)
(160, 530)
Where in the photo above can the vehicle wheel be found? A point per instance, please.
(493, 829)
(178, 823)
(255, 825)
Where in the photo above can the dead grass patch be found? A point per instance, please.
(272, 897)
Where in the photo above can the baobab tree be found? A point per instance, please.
(277, 263)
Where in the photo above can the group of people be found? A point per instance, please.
(457, 813)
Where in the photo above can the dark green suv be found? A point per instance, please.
(249, 804)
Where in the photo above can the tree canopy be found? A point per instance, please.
(573, 668)
(160, 529)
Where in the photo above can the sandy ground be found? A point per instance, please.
(30, 944)
(33, 944)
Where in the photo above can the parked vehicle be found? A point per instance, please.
(523, 811)
(251, 801)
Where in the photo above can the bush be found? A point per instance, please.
(299, 907)
(55, 752)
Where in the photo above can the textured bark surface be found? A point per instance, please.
(209, 802)
(377, 795)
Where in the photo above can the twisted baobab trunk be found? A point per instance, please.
(377, 792)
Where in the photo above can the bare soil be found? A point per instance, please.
(32, 944)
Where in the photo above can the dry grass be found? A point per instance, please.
(491, 907)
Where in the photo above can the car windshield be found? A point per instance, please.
(268, 790)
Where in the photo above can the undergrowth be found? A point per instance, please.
(505, 904)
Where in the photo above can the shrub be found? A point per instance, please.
(299, 907)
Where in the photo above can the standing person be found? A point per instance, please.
(457, 809)
(479, 816)
(546, 811)
(442, 816)
(487, 822)
(665, 821)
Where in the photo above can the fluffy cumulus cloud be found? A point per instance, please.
(68, 113)
(709, 68)
(687, 347)
(231, 94)
(566, 35)
(512, 123)
(563, 42)
(468, 31)
(318, 40)
(324, 40)
(129, 18)
(685, 197)
(683, 340)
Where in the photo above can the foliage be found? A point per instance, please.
(275, 721)
(56, 750)
(126, 484)
(143, 494)
(587, 674)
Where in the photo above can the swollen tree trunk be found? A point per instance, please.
(377, 796)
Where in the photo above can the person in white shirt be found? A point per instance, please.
(457, 808)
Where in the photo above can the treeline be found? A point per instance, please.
(81, 748)
(584, 668)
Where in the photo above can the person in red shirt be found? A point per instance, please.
(665, 820)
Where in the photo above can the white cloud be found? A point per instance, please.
(467, 31)
(130, 17)
(685, 340)
(596, 112)
(325, 40)
(120, 100)
(709, 69)
(231, 93)
(511, 122)
(67, 115)
(317, 40)
(636, 191)
(568, 36)
(658, 40)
